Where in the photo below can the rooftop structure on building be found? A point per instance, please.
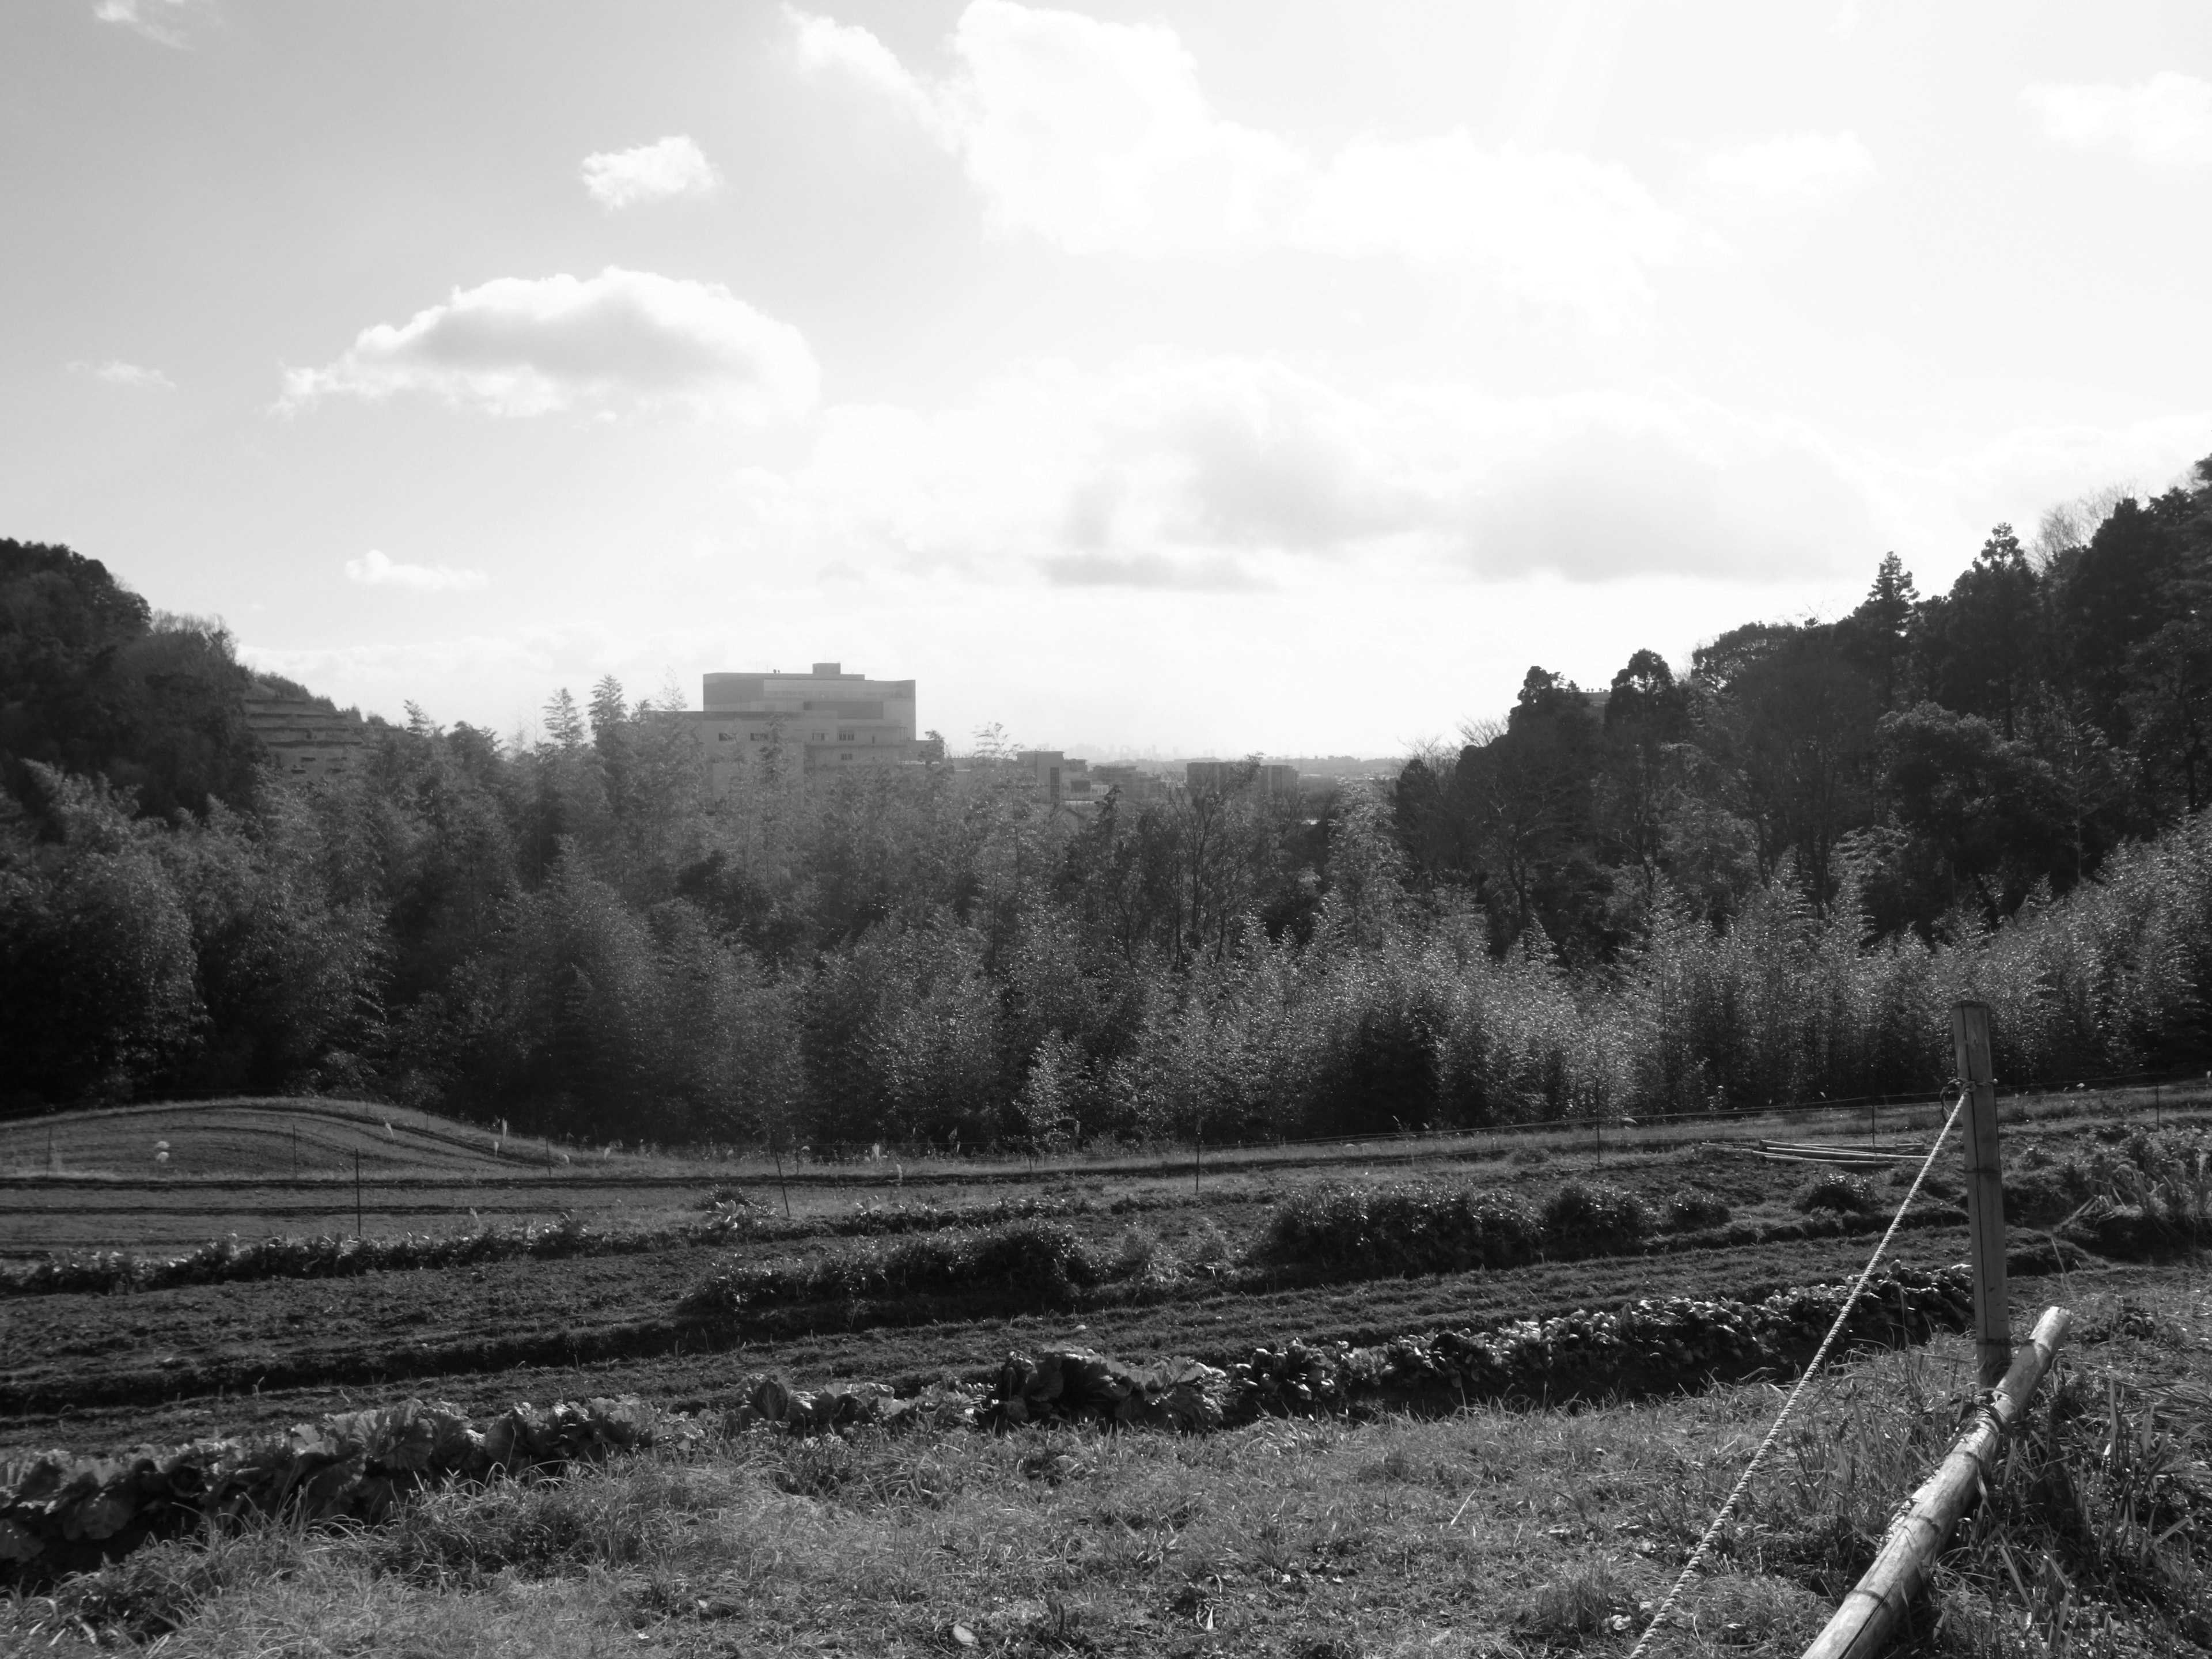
(802, 727)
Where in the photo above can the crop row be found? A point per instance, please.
(1392, 1229)
(335, 1255)
(60, 1512)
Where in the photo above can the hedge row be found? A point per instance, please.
(334, 1255)
(1021, 1261)
(1424, 1227)
(58, 1512)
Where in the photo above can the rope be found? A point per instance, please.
(1712, 1533)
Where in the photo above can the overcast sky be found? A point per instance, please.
(1269, 374)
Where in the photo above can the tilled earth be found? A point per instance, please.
(100, 1372)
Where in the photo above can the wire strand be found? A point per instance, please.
(1750, 1470)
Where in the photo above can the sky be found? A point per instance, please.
(1231, 376)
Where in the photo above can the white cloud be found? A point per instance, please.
(1798, 164)
(847, 49)
(1552, 226)
(1091, 136)
(377, 570)
(1098, 137)
(2166, 119)
(169, 21)
(115, 372)
(623, 340)
(1233, 473)
(651, 172)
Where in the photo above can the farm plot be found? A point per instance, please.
(98, 1371)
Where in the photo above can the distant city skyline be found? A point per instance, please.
(1281, 375)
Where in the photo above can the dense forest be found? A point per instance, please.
(1763, 878)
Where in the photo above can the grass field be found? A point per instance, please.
(1493, 1532)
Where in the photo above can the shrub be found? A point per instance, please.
(2050, 1192)
(1833, 1189)
(1595, 1218)
(1404, 1227)
(1690, 1210)
(1206, 1245)
(1023, 1261)
(1133, 1252)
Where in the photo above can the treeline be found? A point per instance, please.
(1763, 879)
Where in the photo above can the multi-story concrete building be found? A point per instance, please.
(1271, 779)
(1062, 779)
(802, 727)
(1136, 785)
(304, 737)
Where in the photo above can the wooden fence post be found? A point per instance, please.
(1970, 1038)
(1866, 1624)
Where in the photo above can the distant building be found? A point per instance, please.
(1062, 779)
(1271, 779)
(1135, 784)
(813, 726)
(307, 737)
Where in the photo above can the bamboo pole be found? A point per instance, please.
(1866, 1624)
(1985, 1227)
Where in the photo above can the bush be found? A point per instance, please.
(1133, 1252)
(1206, 1245)
(1690, 1211)
(1832, 1190)
(1024, 1262)
(1402, 1227)
(1595, 1218)
(2038, 1196)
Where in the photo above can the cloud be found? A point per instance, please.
(376, 570)
(1551, 227)
(823, 44)
(1091, 136)
(2166, 119)
(1144, 570)
(623, 341)
(1798, 164)
(650, 172)
(115, 372)
(169, 21)
(1097, 137)
(1230, 473)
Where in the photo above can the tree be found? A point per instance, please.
(1876, 635)
(2109, 599)
(1798, 725)
(1983, 820)
(1979, 646)
(1525, 793)
(96, 961)
(96, 682)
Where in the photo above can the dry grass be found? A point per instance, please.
(1490, 1532)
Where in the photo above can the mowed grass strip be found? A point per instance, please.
(1491, 1532)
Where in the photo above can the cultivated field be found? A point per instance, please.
(684, 1284)
(1180, 1272)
